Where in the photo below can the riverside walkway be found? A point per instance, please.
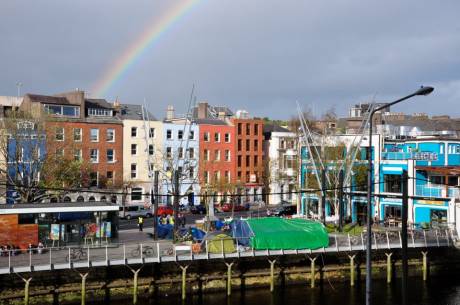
(145, 251)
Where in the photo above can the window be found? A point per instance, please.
(227, 155)
(77, 134)
(133, 170)
(191, 173)
(94, 155)
(169, 134)
(239, 161)
(227, 138)
(136, 194)
(133, 132)
(109, 176)
(93, 178)
(256, 160)
(110, 137)
(110, 155)
(247, 161)
(180, 134)
(77, 154)
(180, 152)
(240, 128)
(217, 155)
(256, 129)
(60, 110)
(152, 132)
(248, 129)
(256, 145)
(59, 133)
(227, 176)
(206, 177)
(206, 155)
(151, 149)
(168, 152)
(100, 112)
(191, 153)
(133, 149)
(94, 135)
(240, 144)
(217, 137)
(60, 152)
(393, 183)
(179, 170)
(216, 176)
(191, 135)
(247, 144)
(80, 199)
(206, 136)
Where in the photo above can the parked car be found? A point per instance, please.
(287, 210)
(165, 210)
(198, 209)
(227, 207)
(132, 211)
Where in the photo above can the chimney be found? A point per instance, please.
(170, 112)
(202, 110)
(221, 115)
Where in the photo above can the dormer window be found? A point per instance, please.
(100, 112)
(62, 110)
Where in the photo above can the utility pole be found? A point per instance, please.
(176, 202)
(323, 196)
(154, 199)
(19, 85)
(341, 200)
(405, 200)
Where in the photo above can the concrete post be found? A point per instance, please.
(389, 271)
(312, 271)
(135, 281)
(184, 278)
(229, 278)
(425, 265)
(83, 287)
(272, 274)
(352, 269)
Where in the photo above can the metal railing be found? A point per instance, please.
(51, 258)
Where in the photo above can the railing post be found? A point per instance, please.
(106, 255)
(70, 260)
(447, 238)
(222, 247)
(87, 249)
(349, 242)
(413, 239)
(389, 271)
(50, 256)
(424, 237)
(336, 244)
(437, 237)
(124, 253)
(142, 253)
(30, 259)
(400, 239)
(158, 251)
(388, 240)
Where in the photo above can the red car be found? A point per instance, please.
(227, 207)
(164, 210)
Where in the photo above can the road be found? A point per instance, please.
(125, 224)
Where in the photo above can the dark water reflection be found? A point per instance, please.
(440, 291)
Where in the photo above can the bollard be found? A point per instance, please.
(229, 278)
(389, 271)
(184, 274)
(83, 287)
(352, 269)
(272, 274)
(312, 271)
(135, 281)
(425, 265)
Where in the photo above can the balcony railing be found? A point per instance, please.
(434, 190)
(391, 155)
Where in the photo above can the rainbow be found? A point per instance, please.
(135, 51)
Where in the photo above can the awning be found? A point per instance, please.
(445, 170)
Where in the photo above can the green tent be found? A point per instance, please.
(275, 233)
(216, 242)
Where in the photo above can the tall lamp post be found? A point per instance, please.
(421, 91)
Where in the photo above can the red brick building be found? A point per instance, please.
(84, 129)
(217, 156)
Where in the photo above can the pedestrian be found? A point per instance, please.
(183, 220)
(140, 222)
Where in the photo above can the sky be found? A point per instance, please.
(257, 55)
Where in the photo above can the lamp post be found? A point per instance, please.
(421, 91)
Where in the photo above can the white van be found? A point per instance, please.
(132, 211)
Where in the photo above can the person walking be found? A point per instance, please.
(140, 222)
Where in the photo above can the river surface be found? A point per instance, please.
(439, 291)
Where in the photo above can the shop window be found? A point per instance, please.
(439, 216)
(67, 199)
(92, 199)
(26, 219)
(113, 199)
(80, 199)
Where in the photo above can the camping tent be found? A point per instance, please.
(275, 233)
(220, 243)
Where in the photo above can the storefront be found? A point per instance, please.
(431, 211)
(56, 224)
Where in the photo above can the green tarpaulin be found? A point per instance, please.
(275, 233)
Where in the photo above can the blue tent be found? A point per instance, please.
(241, 231)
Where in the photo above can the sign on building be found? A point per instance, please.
(425, 156)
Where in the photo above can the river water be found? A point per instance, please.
(439, 291)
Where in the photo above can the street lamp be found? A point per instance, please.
(421, 91)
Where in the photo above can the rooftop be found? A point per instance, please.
(134, 112)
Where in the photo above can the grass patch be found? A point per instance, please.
(349, 228)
